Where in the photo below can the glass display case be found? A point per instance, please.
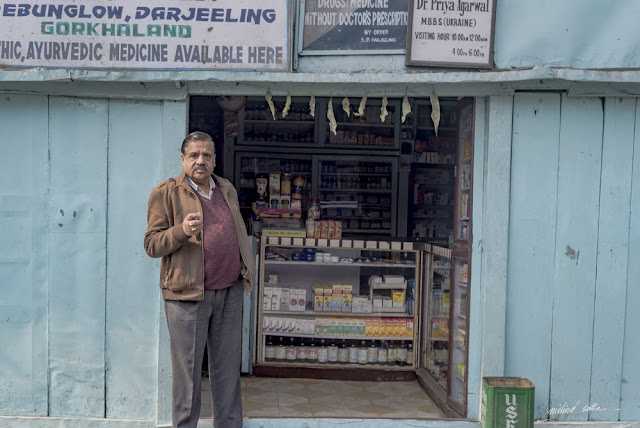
(464, 167)
(367, 130)
(438, 315)
(259, 127)
(348, 305)
(432, 176)
(250, 165)
(361, 193)
(458, 336)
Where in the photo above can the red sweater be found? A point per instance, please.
(222, 263)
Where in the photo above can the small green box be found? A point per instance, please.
(507, 402)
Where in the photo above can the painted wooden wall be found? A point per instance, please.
(79, 315)
(573, 248)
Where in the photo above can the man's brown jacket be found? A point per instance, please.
(182, 264)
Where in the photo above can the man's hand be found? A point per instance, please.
(192, 224)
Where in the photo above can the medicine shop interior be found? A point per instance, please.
(362, 212)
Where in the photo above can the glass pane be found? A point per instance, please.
(251, 167)
(358, 194)
(365, 130)
(260, 126)
(437, 362)
(460, 329)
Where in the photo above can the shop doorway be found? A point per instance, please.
(384, 180)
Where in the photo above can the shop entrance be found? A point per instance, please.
(388, 197)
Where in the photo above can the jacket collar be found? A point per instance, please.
(222, 183)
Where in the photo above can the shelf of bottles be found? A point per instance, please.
(364, 130)
(250, 166)
(359, 193)
(459, 330)
(437, 347)
(357, 353)
(259, 125)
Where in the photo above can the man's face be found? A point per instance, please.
(199, 161)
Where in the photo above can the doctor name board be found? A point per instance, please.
(147, 34)
(451, 33)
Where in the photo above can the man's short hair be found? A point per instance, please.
(196, 136)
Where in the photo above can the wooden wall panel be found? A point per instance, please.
(77, 236)
(575, 254)
(496, 234)
(630, 378)
(24, 169)
(134, 168)
(532, 221)
(613, 251)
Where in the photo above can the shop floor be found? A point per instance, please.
(275, 398)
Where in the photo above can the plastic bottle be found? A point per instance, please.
(372, 353)
(382, 353)
(312, 353)
(410, 354)
(343, 352)
(332, 355)
(269, 351)
(323, 352)
(392, 354)
(291, 351)
(353, 354)
(281, 351)
(402, 354)
(362, 353)
(301, 352)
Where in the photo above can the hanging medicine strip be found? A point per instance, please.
(333, 126)
(435, 110)
(287, 105)
(406, 107)
(267, 96)
(346, 106)
(363, 103)
(383, 109)
(312, 106)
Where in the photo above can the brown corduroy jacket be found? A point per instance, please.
(182, 263)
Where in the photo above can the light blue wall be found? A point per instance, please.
(571, 271)
(580, 34)
(80, 320)
(575, 34)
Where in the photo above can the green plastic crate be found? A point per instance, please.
(507, 402)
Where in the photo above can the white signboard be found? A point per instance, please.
(146, 34)
(454, 33)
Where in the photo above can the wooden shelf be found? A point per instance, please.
(356, 190)
(365, 125)
(372, 264)
(341, 314)
(314, 336)
(357, 174)
(295, 363)
(280, 121)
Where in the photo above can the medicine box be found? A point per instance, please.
(275, 298)
(284, 299)
(266, 299)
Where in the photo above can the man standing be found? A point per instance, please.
(194, 224)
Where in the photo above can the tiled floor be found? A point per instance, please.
(269, 397)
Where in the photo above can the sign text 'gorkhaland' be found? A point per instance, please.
(146, 34)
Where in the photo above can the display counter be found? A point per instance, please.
(328, 305)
